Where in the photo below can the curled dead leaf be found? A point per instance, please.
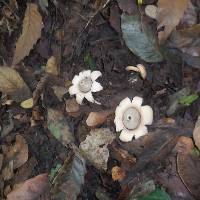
(32, 26)
(98, 118)
(30, 189)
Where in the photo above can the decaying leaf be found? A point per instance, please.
(59, 127)
(52, 66)
(32, 26)
(95, 148)
(68, 183)
(118, 173)
(30, 189)
(98, 118)
(18, 152)
(140, 38)
(11, 83)
(169, 15)
(196, 133)
(188, 166)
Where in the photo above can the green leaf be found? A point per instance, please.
(140, 38)
(195, 152)
(188, 100)
(89, 61)
(54, 171)
(157, 194)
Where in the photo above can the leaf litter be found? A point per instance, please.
(46, 135)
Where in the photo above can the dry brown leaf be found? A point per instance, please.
(118, 173)
(52, 66)
(11, 83)
(30, 189)
(32, 26)
(169, 16)
(18, 152)
(98, 118)
(196, 133)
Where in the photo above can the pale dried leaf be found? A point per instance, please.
(32, 26)
(169, 16)
(27, 103)
(95, 148)
(98, 118)
(11, 83)
(30, 189)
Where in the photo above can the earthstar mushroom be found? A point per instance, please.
(131, 118)
(84, 84)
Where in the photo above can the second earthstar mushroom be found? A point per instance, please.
(131, 118)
